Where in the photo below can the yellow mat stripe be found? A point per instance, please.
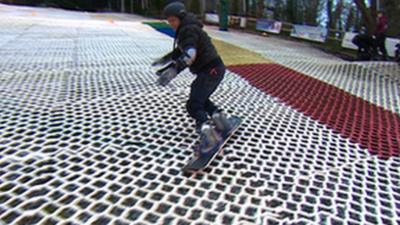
(235, 55)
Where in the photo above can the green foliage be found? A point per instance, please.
(236, 7)
(194, 7)
(87, 5)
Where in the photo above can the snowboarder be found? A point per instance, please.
(193, 48)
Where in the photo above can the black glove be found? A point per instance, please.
(163, 60)
(180, 64)
(167, 74)
(176, 53)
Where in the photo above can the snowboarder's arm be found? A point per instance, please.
(186, 59)
(189, 38)
(188, 44)
(173, 55)
(183, 56)
(169, 72)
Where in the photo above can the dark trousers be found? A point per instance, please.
(380, 45)
(199, 105)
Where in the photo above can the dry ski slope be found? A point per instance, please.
(87, 137)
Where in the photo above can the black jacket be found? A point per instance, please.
(191, 34)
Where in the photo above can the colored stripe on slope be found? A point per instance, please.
(373, 127)
(162, 27)
(235, 55)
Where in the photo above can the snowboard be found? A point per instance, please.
(200, 163)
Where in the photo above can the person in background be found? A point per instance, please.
(365, 44)
(380, 34)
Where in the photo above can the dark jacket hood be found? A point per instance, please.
(189, 20)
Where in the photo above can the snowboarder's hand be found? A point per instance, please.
(167, 74)
(163, 60)
(160, 61)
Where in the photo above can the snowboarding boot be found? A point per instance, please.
(223, 123)
(209, 141)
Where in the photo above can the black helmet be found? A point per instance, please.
(175, 9)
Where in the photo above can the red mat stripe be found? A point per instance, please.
(371, 126)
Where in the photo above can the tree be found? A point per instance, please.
(291, 11)
(351, 18)
(252, 7)
(367, 14)
(311, 11)
(260, 8)
(338, 23)
(279, 12)
(236, 7)
(329, 11)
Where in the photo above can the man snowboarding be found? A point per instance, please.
(193, 49)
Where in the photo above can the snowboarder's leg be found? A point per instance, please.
(382, 46)
(202, 88)
(209, 141)
(198, 105)
(210, 107)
